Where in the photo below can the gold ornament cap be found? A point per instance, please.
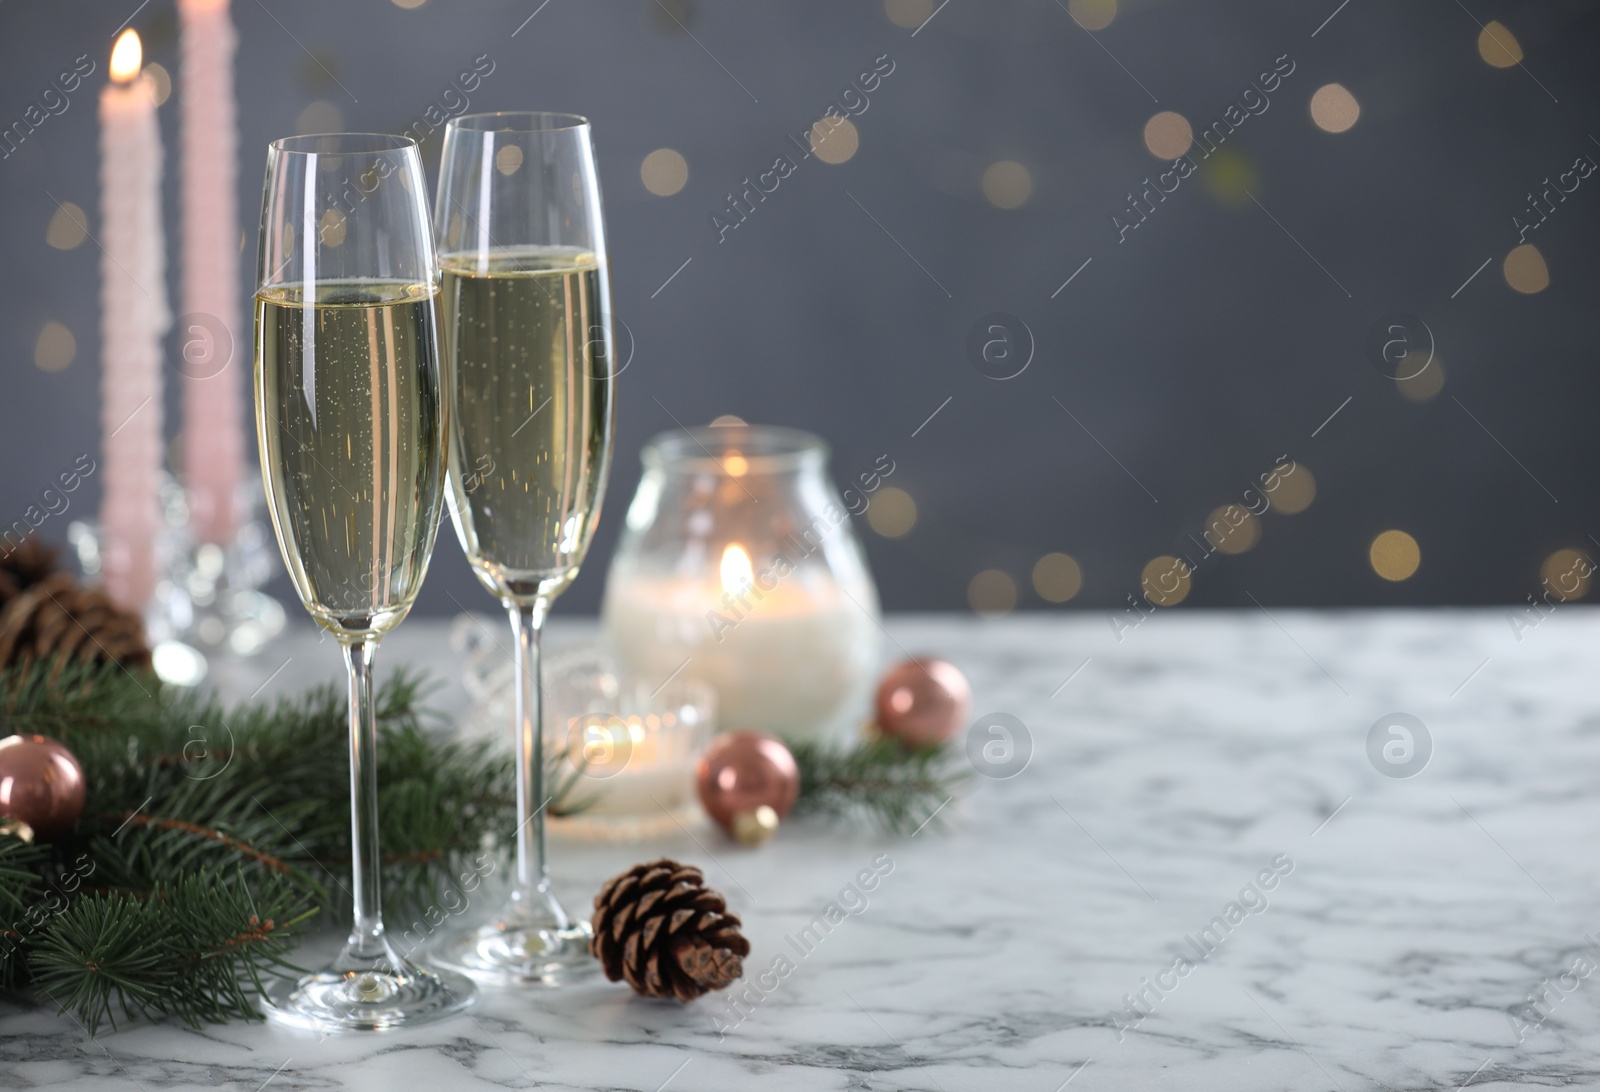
(753, 828)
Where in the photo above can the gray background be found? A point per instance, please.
(1193, 354)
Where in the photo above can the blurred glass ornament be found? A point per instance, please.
(41, 784)
(923, 701)
(743, 772)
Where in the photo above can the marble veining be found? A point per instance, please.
(1057, 930)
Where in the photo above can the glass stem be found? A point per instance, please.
(533, 875)
(366, 938)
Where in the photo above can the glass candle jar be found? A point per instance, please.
(738, 567)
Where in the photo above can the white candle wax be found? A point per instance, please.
(133, 316)
(791, 660)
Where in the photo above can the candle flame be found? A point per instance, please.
(736, 465)
(126, 56)
(737, 573)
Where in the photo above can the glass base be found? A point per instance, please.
(510, 952)
(367, 995)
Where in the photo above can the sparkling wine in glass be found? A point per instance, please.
(527, 337)
(350, 417)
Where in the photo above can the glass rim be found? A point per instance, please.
(537, 121)
(375, 144)
(708, 449)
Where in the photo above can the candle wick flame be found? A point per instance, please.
(737, 572)
(127, 56)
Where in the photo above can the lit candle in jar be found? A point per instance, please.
(738, 568)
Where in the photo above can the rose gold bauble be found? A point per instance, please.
(743, 771)
(923, 701)
(41, 784)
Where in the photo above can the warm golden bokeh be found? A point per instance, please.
(1092, 14)
(1168, 135)
(1230, 177)
(1499, 47)
(163, 82)
(55, 349)
(1566, 574)
(1057, 577)
(1295, 490)
(408, 4)
(331, 228)
(1334, 108)
(910, 14)
(1395, 555)
(1007, 184)
(508, 160)
(992, 593)
(1423, 385)
(892, 512)
(1232, 529)
(835, 140)
(1525, 270)
(727, 420)
(664, 172)
(320, 116)
(68, 227)
(1166, 580)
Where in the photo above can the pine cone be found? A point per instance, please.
(24, 565)
(59, 617)
(659, 926)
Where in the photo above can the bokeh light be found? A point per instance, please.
(1007, 184)
(1566, 574)
(1092, 14)
(1525, 270)
(68, 227)
(320, 116)
(1334, 108)
(1166, 580)
(1230, 177)
(408, 5)
(1168, 135)
(664, 172)
(834, 140)
(55, 349)
(331, 228)
(1295, 490)
(892, 512)
(163, 82)
(1232, 529)
(908, 13)
(728, 420)
(1499, 47)
(1421, 385)
(1395, 555)
(1057, 577)
(508, 160)
(992, 593)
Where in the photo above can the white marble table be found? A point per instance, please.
(1408, 923)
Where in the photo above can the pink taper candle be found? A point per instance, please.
(133, 317)
(213, 388)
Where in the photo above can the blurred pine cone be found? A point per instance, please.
(29, 562)
(659, 926)
(55, 616)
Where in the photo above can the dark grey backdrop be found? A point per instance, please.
(1220, 335)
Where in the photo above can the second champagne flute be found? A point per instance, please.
(526, 329)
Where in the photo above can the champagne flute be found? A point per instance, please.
(527, 339)
(350, 418)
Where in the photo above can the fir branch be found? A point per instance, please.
(898, 787)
